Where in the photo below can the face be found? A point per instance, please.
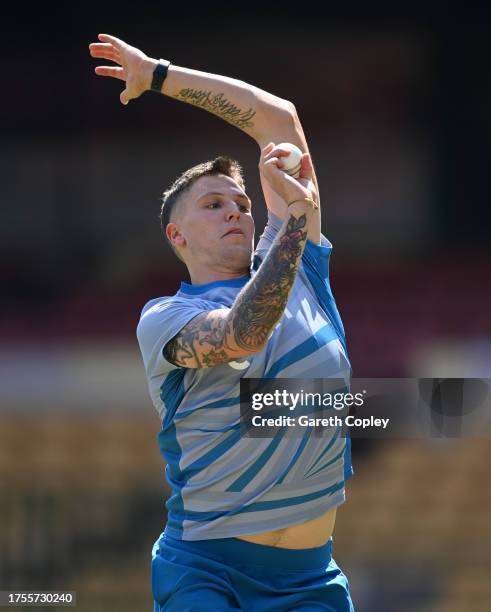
(213, 226)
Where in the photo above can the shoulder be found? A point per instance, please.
(162, 304)
(169, 314)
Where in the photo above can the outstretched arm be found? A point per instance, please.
(263, 116)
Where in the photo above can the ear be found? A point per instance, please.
(174, 235)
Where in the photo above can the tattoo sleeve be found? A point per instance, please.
(260, 305)
(219, 336)
(202, 342)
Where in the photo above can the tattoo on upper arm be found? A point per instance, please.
(258, 310)
(203, 330)
(218, 105)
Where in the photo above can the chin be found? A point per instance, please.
(237, 256)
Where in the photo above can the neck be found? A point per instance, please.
(202, 277)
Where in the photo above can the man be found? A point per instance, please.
(249, 520)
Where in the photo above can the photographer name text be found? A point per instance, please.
(306, 421)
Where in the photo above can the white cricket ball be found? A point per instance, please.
(291, 162)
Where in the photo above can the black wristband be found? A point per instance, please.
(159, 75)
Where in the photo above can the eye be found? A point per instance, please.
(213, 205)
(243, 208)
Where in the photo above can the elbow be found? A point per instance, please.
(277, 122)
(252, 346)
(276, 111)
(261, 341)
(290, 110)
(248, 341)
(287, 113)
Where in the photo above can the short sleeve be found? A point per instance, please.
(270, 232)
(315, 263)
(266, 239)
(160, 321)
(315, 266)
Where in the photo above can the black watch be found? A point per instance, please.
(159, 75)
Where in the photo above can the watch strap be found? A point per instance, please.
(159, 75)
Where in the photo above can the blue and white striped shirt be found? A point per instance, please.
(224, 484)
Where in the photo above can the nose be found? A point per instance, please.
(233, 212)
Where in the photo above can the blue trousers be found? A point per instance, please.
(231, 574)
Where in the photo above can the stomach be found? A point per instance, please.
(311, 534)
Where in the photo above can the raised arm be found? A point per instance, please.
(263, 116)
(223, 335)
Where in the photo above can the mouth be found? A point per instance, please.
(234, 231)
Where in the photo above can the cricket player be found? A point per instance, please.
(250, 520)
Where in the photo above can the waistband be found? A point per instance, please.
(233, 551)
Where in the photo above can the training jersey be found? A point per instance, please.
(224, 484)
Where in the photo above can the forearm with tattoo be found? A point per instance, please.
(261, 303)
(219, 105)
(219, 336)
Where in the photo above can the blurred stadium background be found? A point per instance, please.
(396, 108)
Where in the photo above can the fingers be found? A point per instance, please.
(275, 153)
(108, 50)
(111, 71)
(272, 164)
(306, 168)
(269, 156)
(105, 51)
(279, 151)
(112, 49)
(265, 156)
(123, 97)
(118, 43)
(266, 150)
(276, 150)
